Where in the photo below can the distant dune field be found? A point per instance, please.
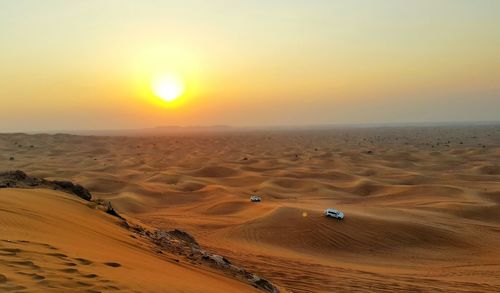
(421, 204)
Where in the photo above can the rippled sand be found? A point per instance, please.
(421, 204)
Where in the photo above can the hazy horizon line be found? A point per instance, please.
(228, 128)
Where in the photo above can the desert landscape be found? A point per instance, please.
(249, 146)
(421, 207)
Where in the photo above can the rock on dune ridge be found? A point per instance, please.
(21, 180)
(176, 244)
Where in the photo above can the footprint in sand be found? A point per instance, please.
(9, 251)
(83, 261)
(60, 255)
(14, 288)
(33, 276)
(112, 288)
(24, 263)
(63, 270)
(69, 271)
(90, 276)
(83, 284)
(37, 277)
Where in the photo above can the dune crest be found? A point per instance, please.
(48, 241)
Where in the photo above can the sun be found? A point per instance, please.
(167, 87)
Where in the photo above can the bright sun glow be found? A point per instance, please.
(168, 87)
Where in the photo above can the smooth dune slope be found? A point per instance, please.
(53, 242)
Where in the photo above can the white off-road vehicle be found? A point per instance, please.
(333, 213)
(255, 198)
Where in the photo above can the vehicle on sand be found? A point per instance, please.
(333, 213)
(255, 198)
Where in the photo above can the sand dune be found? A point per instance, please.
(422, 205)
(310, 232)
(52, 242)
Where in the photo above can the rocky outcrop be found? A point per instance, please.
(181, 243)
(110, 210)
(76, 189)
(19, 179)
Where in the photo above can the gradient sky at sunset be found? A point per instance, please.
(89, 64)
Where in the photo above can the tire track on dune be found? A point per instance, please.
(301, 276)
(325, 232)
(311, 233)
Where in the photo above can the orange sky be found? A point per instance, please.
(90, 64)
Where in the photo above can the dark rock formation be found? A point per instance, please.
(19, 179)
(265, 284)
(110, 210)
(181, 243)
(76, 189)
(183, 236)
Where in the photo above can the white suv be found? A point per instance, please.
(333, 213)
(255, 198)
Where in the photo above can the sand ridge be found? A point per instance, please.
(68, 246)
